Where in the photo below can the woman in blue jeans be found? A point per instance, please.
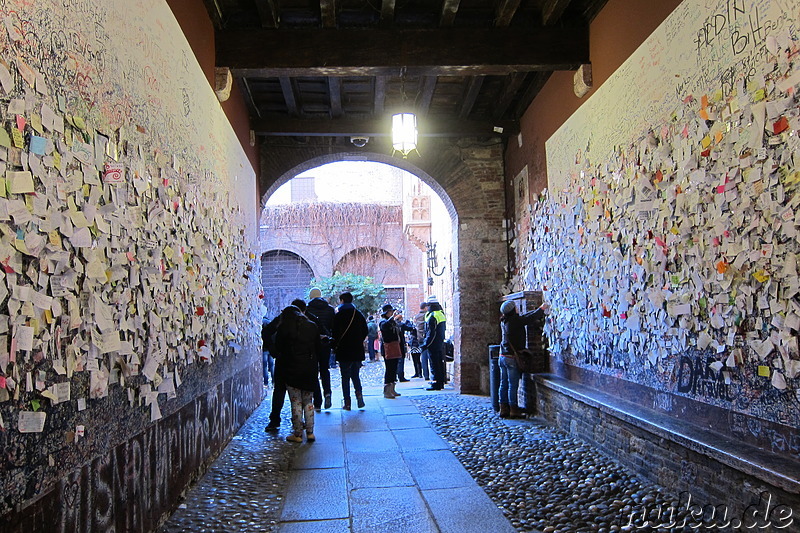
(514, 338)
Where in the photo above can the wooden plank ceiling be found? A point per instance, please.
(339, 68)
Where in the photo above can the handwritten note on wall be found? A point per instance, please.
(125, 205)
(668, 239)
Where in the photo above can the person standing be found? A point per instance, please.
(297, 341)
(349, 332)
(321, 313)
(391, 349)
(435, 321)
(267, 362)
(405, 325)
(513, 339)
(372, 336)
(278, 381)
(424, 359)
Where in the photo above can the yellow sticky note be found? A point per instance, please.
(5, 139)
(48, 316)
(763, 371)
(761, 276)
(36, 123)
(759, 95)
(79, 123)
(86, 190)
(19, 142)
(55, 238)
(57, 160)
(706, 142)
(169, 253)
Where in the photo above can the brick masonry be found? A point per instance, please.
(468, 175)
(660, 460)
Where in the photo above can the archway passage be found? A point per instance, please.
(467, 175)
(284, 277)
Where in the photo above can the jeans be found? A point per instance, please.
(325, 377)
(401, 368)
(425, 359)
(390, 376)
(371, 348)
(350, 372)
(509, 380)
(437, 366)
(268, 364)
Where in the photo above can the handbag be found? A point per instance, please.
(532, 361)
(391, 350)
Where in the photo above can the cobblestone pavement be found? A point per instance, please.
(539, 477)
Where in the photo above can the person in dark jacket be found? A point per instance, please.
(321, 313)
(434, 341)
(297, 343)
(424, 359)
(278, 383)
(514, 338)
(349, 332)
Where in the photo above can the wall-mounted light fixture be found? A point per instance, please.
(433, 262)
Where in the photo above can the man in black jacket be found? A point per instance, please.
(321, 313)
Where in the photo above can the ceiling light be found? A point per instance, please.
(404, 133)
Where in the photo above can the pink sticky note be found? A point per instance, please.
(21, 122)
(2, 382)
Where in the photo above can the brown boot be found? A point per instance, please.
(504, 410)
(515, 412)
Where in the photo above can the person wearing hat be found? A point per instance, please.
(321, 313)
(423, 369)
(514, 338)
(391, 349)
(436, 322)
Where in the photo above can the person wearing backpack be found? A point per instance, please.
(297, 342)
(349, 332)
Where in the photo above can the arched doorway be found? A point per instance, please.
(284, 277)
(469, 180)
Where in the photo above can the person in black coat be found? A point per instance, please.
(349, 332)
(297, 343)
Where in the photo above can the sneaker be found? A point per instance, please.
(294, 438)
(272, 426)
(310, 437)
(402, 380)
(328, 401)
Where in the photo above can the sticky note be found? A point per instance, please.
(763, 371)
(38, 144)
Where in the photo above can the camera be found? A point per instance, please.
(359, 142)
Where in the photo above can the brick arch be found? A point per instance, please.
(385, 268)
(284, 276)
(467, 174)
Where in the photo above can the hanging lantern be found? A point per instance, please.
(404, 133)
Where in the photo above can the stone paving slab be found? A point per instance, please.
(316, 495)
(371, 441)
(390, 510)
(437, 469)
(466, 510)
(317, 526)
(419, 439)
(323, 453)
(377, 469)
(371, 419)
(406, 421)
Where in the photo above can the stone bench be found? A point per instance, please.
(665, 450)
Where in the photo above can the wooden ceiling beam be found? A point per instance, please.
(380, 93)
(290, 96)
(335, 94)
(470, 96)
(552, 10)
(534, 86)
(512, 86)
(268, 13)
(505, 12)
(387, 12)
(327, 12)
(378, 127)
(451, 51)
(448, 14)
(427, 86)
(215, 14)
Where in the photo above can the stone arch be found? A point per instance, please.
(284, 276)
(467, 174)
(377, 263)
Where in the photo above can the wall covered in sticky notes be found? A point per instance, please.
(126, 204)
(667, 241)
